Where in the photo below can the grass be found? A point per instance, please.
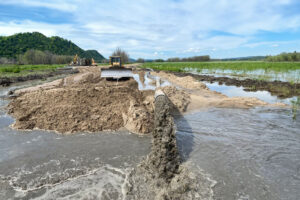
(243, 66)
(286, 71)
(20, 70)
(295, 107)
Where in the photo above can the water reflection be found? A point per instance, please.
(261, 74)
(234, 91)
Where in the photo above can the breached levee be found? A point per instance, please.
(161, 175)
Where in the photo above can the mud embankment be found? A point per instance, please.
(83, 102)
(6, 81)
(162, 175)
(276, 88)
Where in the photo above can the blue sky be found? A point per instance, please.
(162, 28)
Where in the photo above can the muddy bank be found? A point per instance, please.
(198, 96)
(276, 88)
(83, 102)
(162, 175)
(6, 81)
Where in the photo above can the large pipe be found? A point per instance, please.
(158, 93)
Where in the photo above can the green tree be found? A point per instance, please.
(123, 54)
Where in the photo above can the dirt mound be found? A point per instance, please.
(84, 102)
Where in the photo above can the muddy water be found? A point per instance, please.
(252, 154)
(234, 91)
(288, 76)
(149, 81)
(45, 165)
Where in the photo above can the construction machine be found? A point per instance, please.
(116, 71)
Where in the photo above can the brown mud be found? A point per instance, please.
(86, 102)
(6, 81)
(198, 96)
(161, 175)
(276, 88)
(83, 102)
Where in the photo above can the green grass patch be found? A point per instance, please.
(269, 71)
(240, 66)
(20, 70)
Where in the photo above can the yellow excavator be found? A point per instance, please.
(116, 70)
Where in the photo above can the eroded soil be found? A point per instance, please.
(276, 88)
(199, 96)
(83, 102)
(86, 102)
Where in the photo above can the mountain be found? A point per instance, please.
(12, 46)
(132, 60)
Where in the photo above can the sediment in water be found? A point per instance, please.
(161, 175)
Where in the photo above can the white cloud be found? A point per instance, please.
(13, 27)
(66, 5)
(144, 27)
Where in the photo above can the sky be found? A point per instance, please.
(155, 29)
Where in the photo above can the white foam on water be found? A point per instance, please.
(106, 182)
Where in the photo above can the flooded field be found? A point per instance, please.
(258, 74)
(243, 153)
(234, 91)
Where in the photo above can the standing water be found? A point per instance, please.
(46, 165)
(251, 154)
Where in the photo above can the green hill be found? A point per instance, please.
(17, 44)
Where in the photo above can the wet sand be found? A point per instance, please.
(202, 98)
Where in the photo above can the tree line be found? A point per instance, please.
(43, 57)
(34, 57)
(204, 58)
(283, 57)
